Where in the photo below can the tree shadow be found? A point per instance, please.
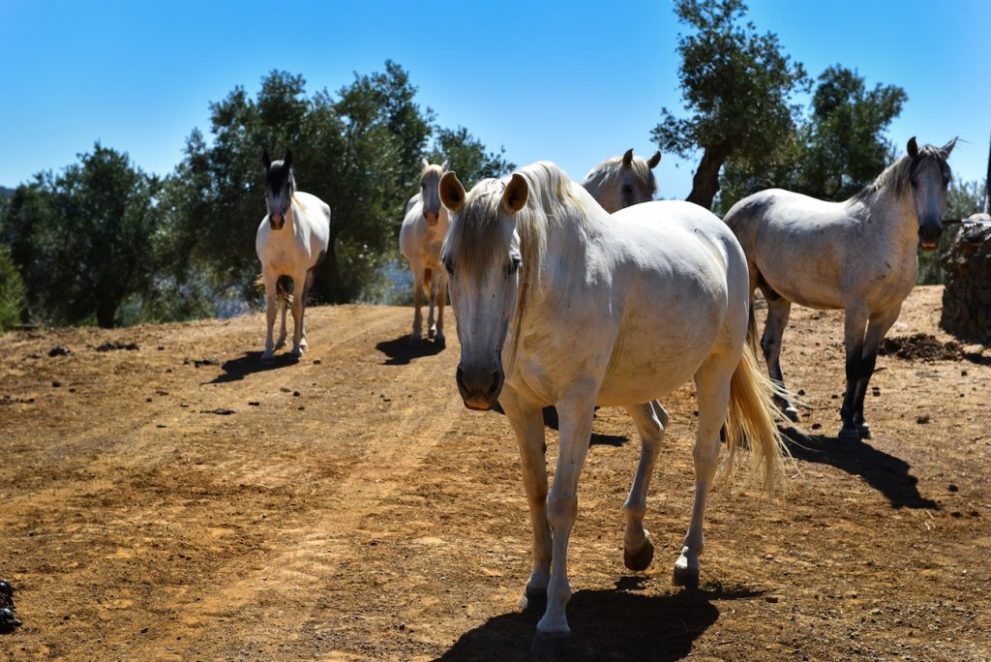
(886, 473)
(251, 362)
(399, 351)
(607, 624)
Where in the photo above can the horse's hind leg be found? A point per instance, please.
(528, 424)
(307, 286)
(271, 296)
(712, 387)
(298, 308)
(877, 327)
(650, 419)
(855, 318)
(778, 311)
(284, 309)
(441, 280)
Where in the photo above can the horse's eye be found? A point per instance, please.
(449, 266)
(627, 189)
(514, 265)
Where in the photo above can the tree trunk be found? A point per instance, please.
(705, 185)
(106, 311)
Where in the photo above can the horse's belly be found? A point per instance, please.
(648, 375)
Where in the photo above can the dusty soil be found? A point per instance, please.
(183, 501)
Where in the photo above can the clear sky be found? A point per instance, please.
(573, 82)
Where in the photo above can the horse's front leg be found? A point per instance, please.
(298, 308)
(271, 296)
(650, 419)
(854, 328)
(575, 415)
(712, 387)
(528, 424)
(876, 329)
(431, 327)
(441, 280)
(283, 306)
(416, 337)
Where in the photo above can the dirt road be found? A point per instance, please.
(184, 501)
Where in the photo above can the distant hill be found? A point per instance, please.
(6, 192)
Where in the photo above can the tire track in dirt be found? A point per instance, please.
(309, 555)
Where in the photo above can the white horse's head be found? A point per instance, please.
(429, 189)
(279, 187)
(482, 256)
(623, 181)
(928, 175)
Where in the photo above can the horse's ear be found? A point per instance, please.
(654, 160)
(287, 162)
(266, 159)
(945, 150)
(515, 195)
(913, 148)
(424, 163)
(628, 158)
(445, 165)
(452, 191)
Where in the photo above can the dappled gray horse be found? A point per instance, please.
(859, 255)
(622, 181)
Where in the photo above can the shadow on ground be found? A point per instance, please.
(399, 352)
(886, 473)
(251, 362)
(617, 624)
(551, 421)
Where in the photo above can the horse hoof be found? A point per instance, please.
(268, 356)
(440, 341)
(849, 435)
(431, 334)
(280, 344)
(685, 577)
(550, 644)
(534, 601)
(865, 431)
(639, 560)
(791, 413)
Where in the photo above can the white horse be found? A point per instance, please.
(559, 303)
(291, 240)
(859, 255)
(622, 181)
(420, 240)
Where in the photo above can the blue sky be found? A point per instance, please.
(573, 82)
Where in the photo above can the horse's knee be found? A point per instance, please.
(561, 511)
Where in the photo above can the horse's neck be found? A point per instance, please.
(896, 219)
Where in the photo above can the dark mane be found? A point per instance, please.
(897, 176)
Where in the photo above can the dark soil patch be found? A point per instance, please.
(921, 347)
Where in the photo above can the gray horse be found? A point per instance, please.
(622, 181)
(859, 255)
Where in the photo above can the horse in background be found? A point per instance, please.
(420, 240)
(622, 181)
(291, 241)
(859, 255)
(560, 303)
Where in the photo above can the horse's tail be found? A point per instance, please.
(427, 276)
(751, 420)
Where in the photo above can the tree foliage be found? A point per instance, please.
(837, 150)
(84, 239)
(11, 291)
(467, 156)
(737, 85)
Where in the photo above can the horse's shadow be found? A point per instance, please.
(607, 624)
(551, 421)
(886, 473)
(400, 352)
(249, 363)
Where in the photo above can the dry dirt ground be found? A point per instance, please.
(348, 507)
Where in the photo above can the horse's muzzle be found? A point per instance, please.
(929, 235)
(276, 221)
(431, 217)
(479, 388)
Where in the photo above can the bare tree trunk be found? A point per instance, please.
(106, 311)
(705, 185)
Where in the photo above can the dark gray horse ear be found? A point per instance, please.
(945, 150)
(287, 162)
(266, 159)
(628, 158)
(654, 160)
(913, 148)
